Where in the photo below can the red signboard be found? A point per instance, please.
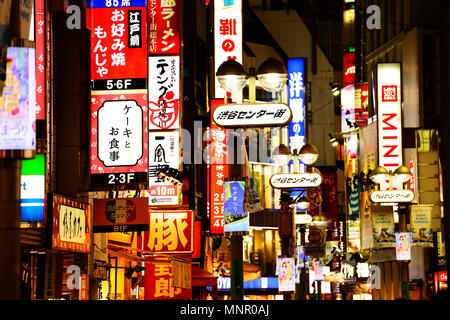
(361, 104)
(389, 93)
(111, 143)
(118, 45)
(219, 171)
(349, 68)
(71, 224)
(170, 231)
(120, 215)
(158, 283)
(40, 58)
(164, 26)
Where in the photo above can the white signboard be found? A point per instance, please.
(227, 38)
(389, 115)
(164, 92)
(164, 152)
(252, 115)
(391, 196)
(295, 180)
(72, 224)
(120, 133)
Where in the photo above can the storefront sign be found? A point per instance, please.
(164, 92)
(383, 227)
(227, 37)
(164, 26)
(39, 26)
(348, 122)
(181, 273)
(17, 103)
(421, 225)
(389, 115)
(83, 287)
(119, 138)
(120, 215)
(295, 180)
(286, 275)
(296, 101)
(170, 231)
(71, 223)
(236, 219)
(32, 191)
(164, 153)
(218, 164)
(392, 196)
(252, 115)
(116, 3)
(403, 246)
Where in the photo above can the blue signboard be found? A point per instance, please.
(236, 219)
(296, 101)
(116, 3)
(32, 191)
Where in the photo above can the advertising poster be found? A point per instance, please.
(120, 215)
(421, 231)
(32, 191)
(164, 154)
(71, 223)
(119, 139)
(366, 222)
(286, 275)
(236, 219)
(348, 109)
(17, 103)
(170, 231)
(383, 226)
(403, 246)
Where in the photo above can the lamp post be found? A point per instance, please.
(395, 181)
(232, 77)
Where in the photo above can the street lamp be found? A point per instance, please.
(308, 154)
(231, 76)
(272, 75)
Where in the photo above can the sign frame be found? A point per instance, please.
(313, 175)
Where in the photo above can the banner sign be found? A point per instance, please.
(32, 191)
(348, 122)
(164, 92)
(120, 215)
(236, 219)
(5, 18)
(296, 100)
(252, 115)
(403, 246)
(164, 152)
(119, 138)
(286, 275)
(421, 231)
(158, 282)
(361, 104)
(39, 26)
(218, 160)
(349, 68)
(228, 36)
(170, 231)
(164, 21)
(389, 115)
(295, 180)
(366, 222)
(17, 103)
(70, 229)
(392, 196)
(383, 227)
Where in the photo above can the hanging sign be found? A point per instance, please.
(421, 225)
(236, 219)
(349, 68)
(39, 26)
(392, 196)
(403, 246)
(170, 231)
(164, 153)
(120, 215)
(383, 227)
(32, 191)
(164, 92)
(348, 109)
(70, 229)
(361, 104)
(286, 275)
(389, 115)
(119, 139)
(252, 115)
(295, 180)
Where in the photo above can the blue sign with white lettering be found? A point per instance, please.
(116, 3)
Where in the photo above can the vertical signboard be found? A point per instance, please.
(403, 246)
(296, 101)
(164, 153)
(421, 231)
(39, 27)
(5, 18)
(218, 150)
(349, 68)
(286, 275)
(119, 120)
(383, 227)
(389, 115)
(164, 27)
(17, 103)
(227, 37)
(236, 219)
(348, 109)
(361, 104)
(32, 191)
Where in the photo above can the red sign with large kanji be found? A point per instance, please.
(164, 26)
(170, 231)
(118, 43)
(40, 59)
